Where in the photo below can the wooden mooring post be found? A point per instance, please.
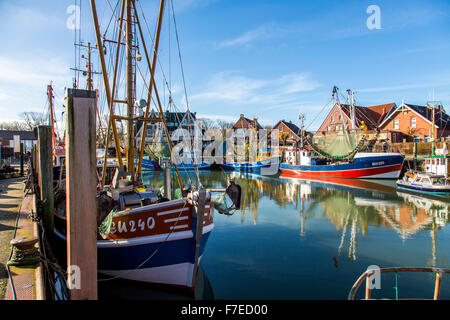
(45, 176)
(167, 181)
(81, 194)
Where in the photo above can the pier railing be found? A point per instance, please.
(369, 273)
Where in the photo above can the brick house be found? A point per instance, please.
(245, 124)
(291, 129)
(415, 123)
(370, 117)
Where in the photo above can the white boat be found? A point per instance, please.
(424, 182)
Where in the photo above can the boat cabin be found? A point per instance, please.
(302, 157)
(426, 179)
(439, 163)
(60, 156)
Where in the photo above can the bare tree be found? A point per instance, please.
(206, 123)
(13, 125)
(225, 124)
(33, 119)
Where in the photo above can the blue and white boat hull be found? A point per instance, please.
(250, 166)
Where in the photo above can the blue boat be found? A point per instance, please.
(264, 159)
(189, 166)
(150, 165)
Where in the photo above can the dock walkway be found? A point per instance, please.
(27, 280)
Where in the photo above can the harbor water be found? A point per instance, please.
(311, 239)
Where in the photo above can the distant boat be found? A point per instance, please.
(424, 182)
(189, 161)
(264, 159)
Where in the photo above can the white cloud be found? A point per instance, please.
(217, 117)
(247, 37)
(230, 87)
(32, 71)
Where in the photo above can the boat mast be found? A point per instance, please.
(130, 90)
(89, 67)
(52, 119)
(109, 96)
(302, 121)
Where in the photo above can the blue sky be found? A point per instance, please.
(268, 59)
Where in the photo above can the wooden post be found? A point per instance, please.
(21, 159)
(415, 155)
(81, 194)
(45, 175)
(437, 286)
(198, 231)
(167, 182)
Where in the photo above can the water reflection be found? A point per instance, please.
(351, 205)
(355, 204)
(289, 229)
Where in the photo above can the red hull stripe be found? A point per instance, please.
(356, 173)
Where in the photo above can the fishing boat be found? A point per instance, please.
(424, 182)
(190, 161)
(264, 159)
(346, 154)
(143, 235)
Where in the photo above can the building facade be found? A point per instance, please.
(340, 118)
(292, 132)
(28, 138)
(415, 123)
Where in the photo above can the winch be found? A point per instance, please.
(135, 198)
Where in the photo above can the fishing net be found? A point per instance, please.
(105, 227)
(337, 146)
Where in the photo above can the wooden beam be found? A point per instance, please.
(81, 186)
(45, 176)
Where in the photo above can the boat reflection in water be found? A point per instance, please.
(353, 204)
(290, 232)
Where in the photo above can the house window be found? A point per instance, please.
(427, 138)
(413, 122)
(332, 119)
(338, 128)
(329, 128)
(396, 125)
(416, 139)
